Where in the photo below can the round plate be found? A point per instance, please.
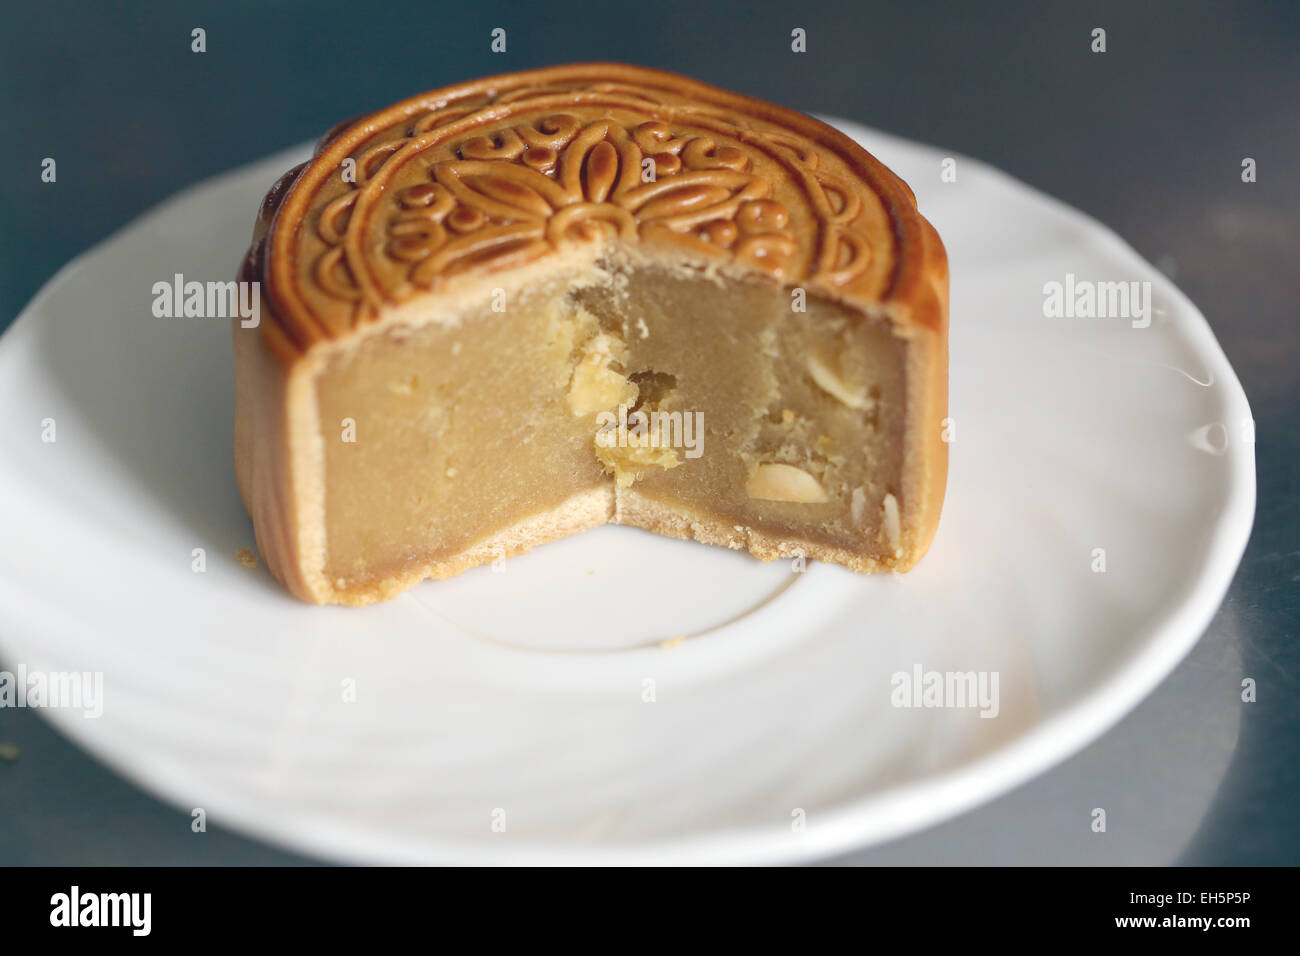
(617, 697)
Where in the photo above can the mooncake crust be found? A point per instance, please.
(427, 201)
(490, 174)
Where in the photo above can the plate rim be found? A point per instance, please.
(871, 820)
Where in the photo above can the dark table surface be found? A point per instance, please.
(1148, 137)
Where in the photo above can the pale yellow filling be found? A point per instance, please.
(706, 397)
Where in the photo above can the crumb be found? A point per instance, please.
(9, 752)
(672, 642)
(405, 388)
(246, 558)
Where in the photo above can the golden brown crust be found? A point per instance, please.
(925, 454)
(485, 175)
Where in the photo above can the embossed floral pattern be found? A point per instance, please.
(522, 191)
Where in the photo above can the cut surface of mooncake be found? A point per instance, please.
(503, 312)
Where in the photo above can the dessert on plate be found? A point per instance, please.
(509, 310)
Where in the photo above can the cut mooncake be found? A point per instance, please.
(503, 312)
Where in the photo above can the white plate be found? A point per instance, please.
(520, 695)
